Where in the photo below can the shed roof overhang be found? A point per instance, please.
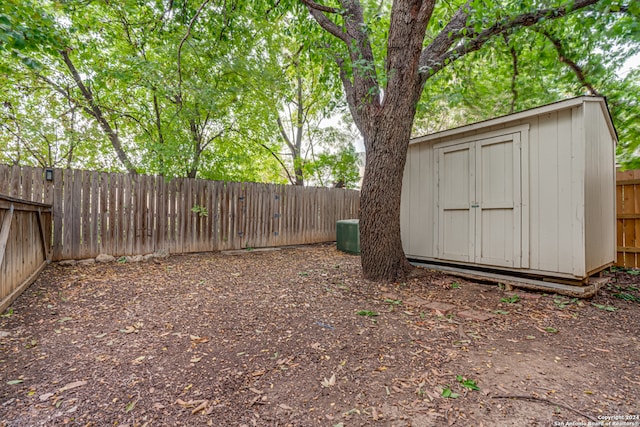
(502, 120)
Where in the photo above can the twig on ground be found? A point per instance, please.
(548, 401)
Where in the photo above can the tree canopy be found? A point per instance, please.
(239, 90)
(190, 89)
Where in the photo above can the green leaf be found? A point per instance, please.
(468, 383)
(13, 382)
(446, 392)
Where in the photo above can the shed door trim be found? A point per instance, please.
(521, 129)
(481, 215)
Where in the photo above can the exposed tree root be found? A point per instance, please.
(547, 401)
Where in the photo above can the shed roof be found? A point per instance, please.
(556, 106)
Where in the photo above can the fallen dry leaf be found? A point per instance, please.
(329, 382)
(72, 385)
(138, 360)
(46, 396)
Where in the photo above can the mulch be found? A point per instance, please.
(296, 337)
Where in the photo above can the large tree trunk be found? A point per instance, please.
(382, 255)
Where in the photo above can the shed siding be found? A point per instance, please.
(577, 192)
(551, 230)
(599, 190)
(418, 208)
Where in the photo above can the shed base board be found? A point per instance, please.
(586, 290)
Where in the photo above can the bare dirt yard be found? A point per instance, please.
(295, 337)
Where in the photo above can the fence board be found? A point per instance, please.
(5, 179)
(628, 223)
(37, 186)
(85, 219)
(93, 212)
(15, 182)
(158, 212)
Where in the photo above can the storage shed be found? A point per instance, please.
(530, 193)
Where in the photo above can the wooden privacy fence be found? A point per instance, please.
(120, 214)
(628, 218)
(25, 233)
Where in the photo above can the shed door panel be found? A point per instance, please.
(456, 187)
(498, 219)
(479, 202)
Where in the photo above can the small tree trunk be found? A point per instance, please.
(382, 255)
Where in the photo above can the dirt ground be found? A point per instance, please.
(295, 337)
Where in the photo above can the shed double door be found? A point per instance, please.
(479, 201)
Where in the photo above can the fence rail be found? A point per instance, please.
(25, 233)
(120, 214)
(628, 218)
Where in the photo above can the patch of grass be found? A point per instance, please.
(367, 313)
(604, 307)
(393, 301)
(455, 285)
(562, 303)
(511, 300)
(503, 312)
(627, 297)
(551, 330)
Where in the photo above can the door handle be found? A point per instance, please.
(475, 205)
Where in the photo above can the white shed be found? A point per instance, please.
(532, 192)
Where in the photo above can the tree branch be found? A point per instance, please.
(514, 76)
(96, 112)
(182, 42)
(317, 11)
(284, 135)
(320, 7)
(573, 65)
(349, 93)
(435, 61)
(284, 167)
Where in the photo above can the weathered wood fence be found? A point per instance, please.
(25, 233)
(120, 214)
(628, 218)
